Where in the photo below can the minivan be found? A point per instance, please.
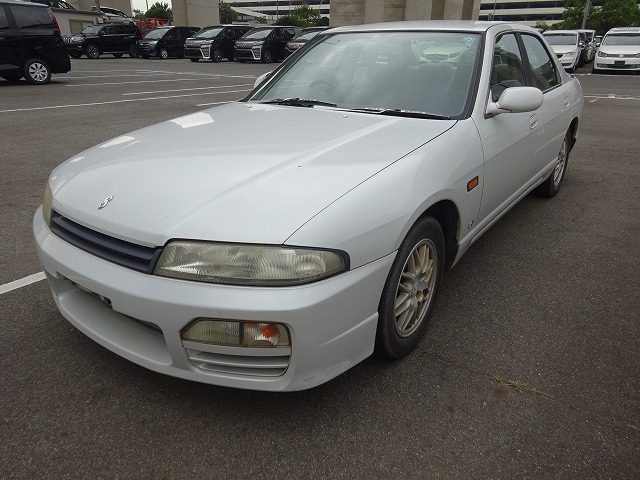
(265, 44)
(214, 43)
(30, 43)
(165, 42)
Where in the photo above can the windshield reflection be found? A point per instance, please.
(428, 72)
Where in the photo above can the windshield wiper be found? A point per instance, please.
(396, 112)
(299, 102)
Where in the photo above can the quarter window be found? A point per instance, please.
(507, 70)
(4, 23)
(541, 67)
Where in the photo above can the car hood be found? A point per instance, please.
(238, 173)
(619, 49)
(562, 49)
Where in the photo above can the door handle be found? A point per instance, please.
(533, 121)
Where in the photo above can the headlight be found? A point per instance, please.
(637, 55)
(77, 39)
(602, 54)
(250, 265)
(46, 204)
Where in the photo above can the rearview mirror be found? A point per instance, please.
(517, 100)
(261, 79)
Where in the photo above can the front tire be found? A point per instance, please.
(551, 186)
(194, 59)
(133, 51)
(36, 71)
(93, 51)
(217, 55)
(267, 56)
(410, 292)
(163, 53)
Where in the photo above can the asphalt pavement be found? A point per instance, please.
(530, 367)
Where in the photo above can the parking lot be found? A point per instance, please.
(530, 368)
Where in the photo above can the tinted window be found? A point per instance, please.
(4, 23)
(508, 69)
(258, 34)
(110, 30)
(543, 71)
(131, 29)
(121, 30)
(31, 17)
(561, 38)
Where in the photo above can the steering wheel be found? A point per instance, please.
(333, 86)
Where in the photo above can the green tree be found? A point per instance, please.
(614, 13)
(159, 10)
(302, 16)
(602, 17)
(227, 14)
(139, 14)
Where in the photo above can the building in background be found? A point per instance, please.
(276, 8)
(528, 12)
(345, 12)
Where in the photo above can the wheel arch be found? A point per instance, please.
(447, 215)
(573, 130)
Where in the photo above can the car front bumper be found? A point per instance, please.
(616, 63)
(248, 53)
(331, 323)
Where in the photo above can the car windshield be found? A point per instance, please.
(210, 33)
(388, 72)
(561, 38)
(257, 34)
(622, 39)
(92, 30)
(156, 34)
(305, 35)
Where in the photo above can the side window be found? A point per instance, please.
(543, 71)
(170, 35)
(131, 29)
(31, 17)
(4, 22)
(108, 31)
(121, 29)
(508, 69)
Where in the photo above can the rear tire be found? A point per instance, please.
(551, 186)
(37, 71)
(74, 54)
(117, 55)
(410, 292)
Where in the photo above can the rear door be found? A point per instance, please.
(9, 37)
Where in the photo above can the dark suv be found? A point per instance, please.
(114, 38)
(30, 43)
(214, 43)
(266, 44)
(165, 42)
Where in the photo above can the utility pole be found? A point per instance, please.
(587, 7)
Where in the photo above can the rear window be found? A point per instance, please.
(31, 17)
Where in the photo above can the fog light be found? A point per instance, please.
(237, 334)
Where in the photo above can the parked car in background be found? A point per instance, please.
(53, 4)
(590, 44)
(113, 15)
(567, 46)
(208, 248)
(114, 38)
(264, 44)
(619, 51)
(302, 37)
(214, 43)
(165, 42)
(30, 43)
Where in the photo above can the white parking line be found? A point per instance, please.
(141, 81)
(117, 75)
(610, 96)
(120, 101)
(187, 89)
(23, 282)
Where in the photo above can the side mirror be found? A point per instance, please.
(261, 79)
(516, 100)
(580, 44)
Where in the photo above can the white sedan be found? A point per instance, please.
(316, 226)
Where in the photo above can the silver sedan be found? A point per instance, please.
(317, 226)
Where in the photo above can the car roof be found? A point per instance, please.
(19, 2)
(624, 30)
(430, 25)
(551, 32)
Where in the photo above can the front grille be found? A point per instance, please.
(143, 47)
(244, 54)
(255, 362)
(127, 254)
